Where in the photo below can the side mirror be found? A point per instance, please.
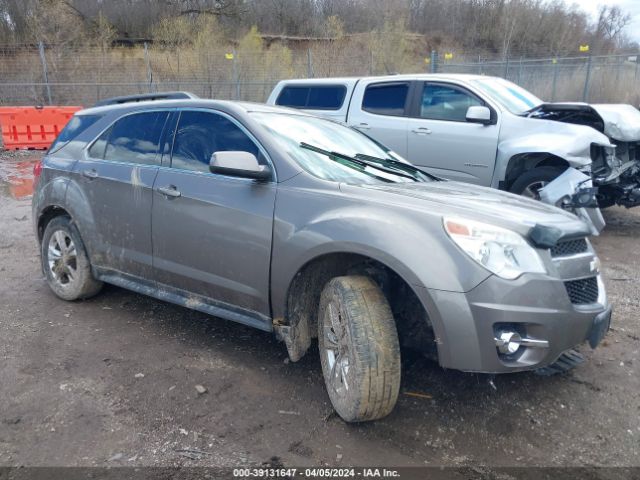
(479, 114)
(238, 164)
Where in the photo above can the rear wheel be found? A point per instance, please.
(359, 349)
(65, 261)
(531, 182)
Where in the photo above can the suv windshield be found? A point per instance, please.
(334, 152)
(513, 97)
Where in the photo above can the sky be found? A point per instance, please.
(631, 7)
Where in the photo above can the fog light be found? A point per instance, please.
(508, 342)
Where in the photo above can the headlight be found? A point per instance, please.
(501, 251)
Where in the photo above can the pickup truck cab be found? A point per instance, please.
(476, 129)
(305, 228)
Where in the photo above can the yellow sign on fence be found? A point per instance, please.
(448, 56)
(427, 60)
(584, 48)
(228, 56)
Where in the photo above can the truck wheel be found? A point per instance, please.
(359, 348)
(529, 183)
(65, 261)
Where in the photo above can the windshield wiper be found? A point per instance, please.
(360, 162)
(398, 165)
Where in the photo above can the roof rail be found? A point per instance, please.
(145, 97)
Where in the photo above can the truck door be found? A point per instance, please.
(379, 109)
(441, 140)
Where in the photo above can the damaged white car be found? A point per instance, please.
(491, 132)
(616, 173)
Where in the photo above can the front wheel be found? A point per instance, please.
(531, 182)
(359, 348)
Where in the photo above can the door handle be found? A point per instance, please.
(90, 174)
(170, 191)
(421, 131)
(363, 126)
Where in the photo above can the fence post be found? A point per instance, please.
(480, 64)
(236, 77)
(520, 72)
(371, 63)
(43, 59)
(434, 61)
(635, 77)
(309, 64)
(147, 62)
(587, 79)
(555, 80)
(506, 68)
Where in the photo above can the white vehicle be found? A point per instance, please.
(484, 130)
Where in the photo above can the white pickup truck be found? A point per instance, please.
(483, 130)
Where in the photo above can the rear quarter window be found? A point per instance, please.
(320, 97)
(75, 126)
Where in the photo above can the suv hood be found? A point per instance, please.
(483, 204)
(617, 121)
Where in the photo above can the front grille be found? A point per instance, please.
(569, 247)
(582, 291)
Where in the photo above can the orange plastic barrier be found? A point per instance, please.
(33, 128)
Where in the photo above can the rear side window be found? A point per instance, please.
(385, 98)
(324, 97)
(200, 134)
(132, 139)
(77, 125)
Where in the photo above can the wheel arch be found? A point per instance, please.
(299, 324)
(523, 162)
(45, 217)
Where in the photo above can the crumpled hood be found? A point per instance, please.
(474, 202)
(617, 121)
(621, 122)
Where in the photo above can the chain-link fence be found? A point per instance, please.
(611, 78)
(62, 75)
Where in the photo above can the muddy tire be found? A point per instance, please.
(359, 349)
(529, 183)
(65, 262)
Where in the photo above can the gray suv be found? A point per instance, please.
(306, 228)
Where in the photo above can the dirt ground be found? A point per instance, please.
(112, 381)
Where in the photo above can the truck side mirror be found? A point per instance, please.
(479, 114)
(238, 164)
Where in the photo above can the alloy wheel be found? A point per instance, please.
(62, 258)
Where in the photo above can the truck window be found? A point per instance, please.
(320, 97)
(385, 98)
(443, 102)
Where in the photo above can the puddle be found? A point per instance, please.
(16, 173)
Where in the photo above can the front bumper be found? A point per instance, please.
(537, 306)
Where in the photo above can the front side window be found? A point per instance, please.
(444, 102)
(132, 139)
(200, 134)
(385, 98)
(320, 97)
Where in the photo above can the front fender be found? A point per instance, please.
(413, 245)
(571, 143)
